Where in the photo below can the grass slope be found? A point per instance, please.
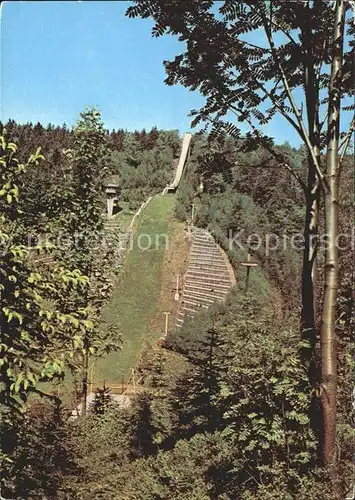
(136, 296)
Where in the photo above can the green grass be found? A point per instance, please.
(137, 292)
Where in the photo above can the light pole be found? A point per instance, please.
(166, 322)
(177, 295)
(248, 264)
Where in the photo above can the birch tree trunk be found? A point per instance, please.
(327, 335)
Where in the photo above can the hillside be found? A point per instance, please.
(135, 300)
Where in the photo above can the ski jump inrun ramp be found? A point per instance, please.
(181, 165)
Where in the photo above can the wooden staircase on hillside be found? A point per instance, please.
(208, 278)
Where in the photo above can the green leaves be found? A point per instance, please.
(43, 324)
(250, 381)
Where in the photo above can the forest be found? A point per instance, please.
(252, 397)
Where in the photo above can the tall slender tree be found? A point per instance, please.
(84, 218)
(331, 196)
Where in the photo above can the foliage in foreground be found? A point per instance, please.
(41, 327)
(232, 423)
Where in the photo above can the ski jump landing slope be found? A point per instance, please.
(181, 165)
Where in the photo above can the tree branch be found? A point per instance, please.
(280, 108)
(345, 144)
(281, 165)
(287, 34)
(275, 103)
(276, 155)
(322, 123)
(319, 69)
(296, 112)
(254, 46)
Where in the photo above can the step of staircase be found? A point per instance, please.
(205, 244)
(208, 297)
(210, 265)
(206, 285)
(211, 298)
(205, 259)
(214, 256)
(218, 277)
(189, 309)
(216, 296)
(195, 302)
(209, 260)
(203, 236)
(207, 266)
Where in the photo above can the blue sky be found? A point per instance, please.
(59, 57)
